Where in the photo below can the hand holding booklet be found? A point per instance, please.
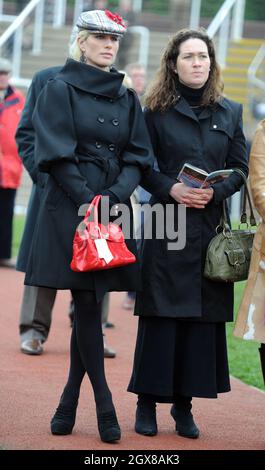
(195, 177)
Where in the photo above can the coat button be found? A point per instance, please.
(215, 126)
(101, 119)
(115, 122)
(111, 100)
(98, 145)
(111, 147)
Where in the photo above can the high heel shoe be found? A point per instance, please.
(63, 420)
(185, 425)
(108, 426)
(145, 422)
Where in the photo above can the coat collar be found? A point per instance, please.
(183, 107)
(92, 80)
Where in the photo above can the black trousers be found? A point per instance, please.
(7, 203)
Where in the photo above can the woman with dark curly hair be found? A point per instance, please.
(181, 345)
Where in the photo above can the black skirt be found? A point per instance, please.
(177, 357)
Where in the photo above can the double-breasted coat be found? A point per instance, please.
(91, 138)
(250, 324)
(173, 282)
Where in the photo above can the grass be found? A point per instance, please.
(244, 359)
(18, 226)
(243, 355)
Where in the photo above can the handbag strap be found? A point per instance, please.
(93, 206)
(246, 197)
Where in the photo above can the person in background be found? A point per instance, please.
(11, 105)
(250, 323)
(181, 343)
(84, 142)
(38, 302)
(138, 76)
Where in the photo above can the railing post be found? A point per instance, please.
(38, 27)
(238, 20)
(1, 7)
(17, 48)
(59, 13)
(195, 14)
(78, 9)
(223, 39)
(144, 43)
(137, 6)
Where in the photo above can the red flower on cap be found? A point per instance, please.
(114, 17)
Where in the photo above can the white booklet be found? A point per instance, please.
(197, 178)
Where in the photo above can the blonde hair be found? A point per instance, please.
(74, 49)
(127, 81)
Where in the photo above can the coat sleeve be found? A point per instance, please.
(156, 182)
(257, 169)
(55, 141)
(25, 132)
(236, 158)
(137, 158)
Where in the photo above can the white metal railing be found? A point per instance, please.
(256, 90)
(227, 28)
(253, 69)
(195, 14)
(16, 29)
(14, 32)
(144, 43)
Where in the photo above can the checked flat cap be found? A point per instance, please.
(100, 21)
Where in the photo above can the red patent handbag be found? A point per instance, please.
(97, 246)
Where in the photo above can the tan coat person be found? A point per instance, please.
(250, 324)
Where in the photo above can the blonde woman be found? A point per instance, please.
(90, 139)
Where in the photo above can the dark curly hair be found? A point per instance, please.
(163, 92)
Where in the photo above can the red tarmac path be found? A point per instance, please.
(31, 386)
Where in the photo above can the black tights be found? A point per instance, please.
(87, 352)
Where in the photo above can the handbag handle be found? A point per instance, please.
(94, 205)
(243, 218)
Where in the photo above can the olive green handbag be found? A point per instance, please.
(229, 252)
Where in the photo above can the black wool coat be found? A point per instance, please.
(25, 139)
(91, 138)
(173, 282)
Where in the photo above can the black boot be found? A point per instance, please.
(146, 416)
(181, 412)
(262, 359)
(63, 420)
(108, 426)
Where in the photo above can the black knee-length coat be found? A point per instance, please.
(25, 142)
(90, 137)
(173, 282)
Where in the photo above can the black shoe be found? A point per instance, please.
(145, 422)
(63, 420)
(108, 426)
(185, 425)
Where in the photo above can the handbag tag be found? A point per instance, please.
(103, 250)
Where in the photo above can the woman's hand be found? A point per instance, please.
(191, 197)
